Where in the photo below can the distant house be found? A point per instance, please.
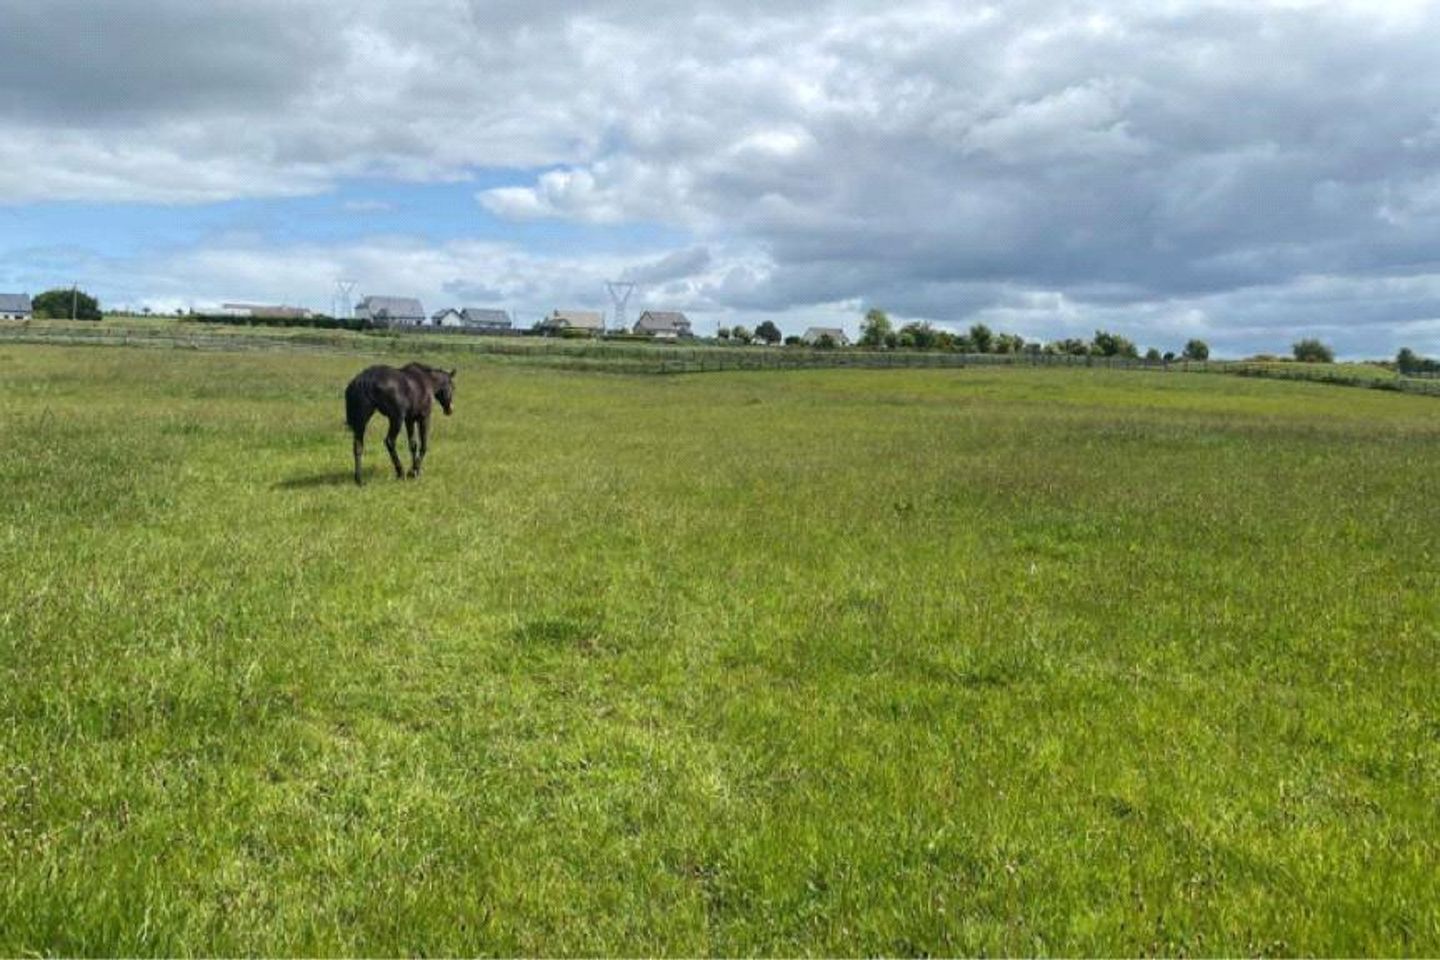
(14, 306)
(663, 325)
(264, 310)
(812, 336)
(485, 321)
(590, 321)
(391, 311)
(449, 317)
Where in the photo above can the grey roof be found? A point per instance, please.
(481, 316)
(440, 314)
(14, 303)
(655, 320)
(815, 333)
(392, 307)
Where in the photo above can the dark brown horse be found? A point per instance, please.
(403, 396)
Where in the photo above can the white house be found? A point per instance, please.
(449, 317)
(15, 306)
(812, 336)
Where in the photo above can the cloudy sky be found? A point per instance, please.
(1245, 171)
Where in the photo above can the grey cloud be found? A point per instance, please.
(672, 266)
(67, 62)
(1172, 167)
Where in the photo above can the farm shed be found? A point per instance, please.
(264, 311)
(591, 321)
(663, 324)
(391, 311)
(813, 334)
(449, 317)
(14, 306)
(484, 320)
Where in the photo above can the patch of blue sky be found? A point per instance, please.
(353, 211)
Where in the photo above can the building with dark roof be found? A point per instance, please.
(391, 311)
(485, 320)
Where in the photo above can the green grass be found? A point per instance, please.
(975, 661)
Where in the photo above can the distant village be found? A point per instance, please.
(407, 313)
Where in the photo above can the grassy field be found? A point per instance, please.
(902, 662)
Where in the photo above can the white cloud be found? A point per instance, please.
(1171, 164)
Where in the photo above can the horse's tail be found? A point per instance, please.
(357, 407)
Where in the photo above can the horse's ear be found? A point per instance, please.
(452, 374)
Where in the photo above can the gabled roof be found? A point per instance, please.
(657, 320)
(392, 307)
(442, 314)
(14, 303)
(482, 316)
(583, 319)
(835, 333)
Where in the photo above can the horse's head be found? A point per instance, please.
(445, 390)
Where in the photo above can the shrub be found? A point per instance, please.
(1197, 350)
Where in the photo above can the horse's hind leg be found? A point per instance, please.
(357, 414)
(414, 455)
(390, 436)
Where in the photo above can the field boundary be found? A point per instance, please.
(665, 358)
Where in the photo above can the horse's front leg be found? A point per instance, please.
(414, 451)
(390, 436)
(359, 453)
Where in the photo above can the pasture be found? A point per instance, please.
(814, 662)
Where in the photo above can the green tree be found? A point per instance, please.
(1009, 343)
(741, 334)
(875, 328)
(1108, 344)
(1311, 350)
(826, 342)
(981, 339)
(59, 304)
(768, 332)
(1152, 355)
(920, 336)
(1196, 350)
(723, 333)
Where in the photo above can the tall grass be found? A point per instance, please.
(979, 661)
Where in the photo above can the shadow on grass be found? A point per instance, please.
(337, 478)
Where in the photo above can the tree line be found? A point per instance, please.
(878, 332)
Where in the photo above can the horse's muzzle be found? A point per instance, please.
(448, 410)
